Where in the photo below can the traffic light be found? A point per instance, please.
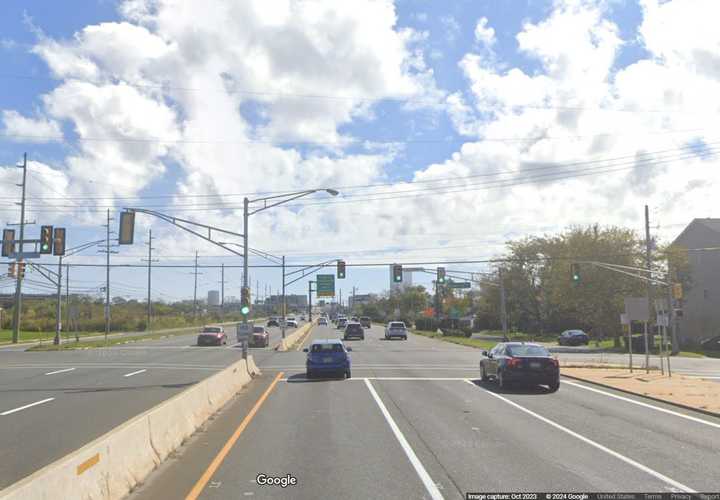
(341, 269)
(245, 301)
(575, 273)
(397, 273)
(441, 275)
(46, 239)
(11, 270)
(59, 241)
(8, 242)
(677, 290)
(127, 228)
(21, 269)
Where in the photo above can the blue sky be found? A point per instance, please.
(430, 144)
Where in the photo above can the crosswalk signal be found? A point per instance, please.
(245, 301)
(11, 270)
(21, 270)
(341, 269)
(397, 273)
(441, 275)
(59, 241)
(46, 239)
(575, 273)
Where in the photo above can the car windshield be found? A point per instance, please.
(527, 350)
(211, 329)
(397, 325)
(258, 329)
(354, 326)
(327, 348)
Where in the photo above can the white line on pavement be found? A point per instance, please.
(60, 371)
(14, 410)
(430, 486)
(640, 403)
(134, 373)
(589, 441)
(386, 378)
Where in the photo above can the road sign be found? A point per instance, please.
(637, 308)
(325, 285)
(25, 255)
(662, 320)
(624, 319)
(244, 331)
(460, 284)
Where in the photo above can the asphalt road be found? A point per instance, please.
(414, 422)
(52, 403)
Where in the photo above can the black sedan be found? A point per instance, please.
(711, 345)
(520, 362)
(573, 337)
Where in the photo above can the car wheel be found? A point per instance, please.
(554, 386)
(483, 374)
(309, 374)
(347, 374)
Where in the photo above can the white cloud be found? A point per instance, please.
(483, 33)
(452, 28)
(23, 129)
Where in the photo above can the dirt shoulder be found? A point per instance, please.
(684, 391)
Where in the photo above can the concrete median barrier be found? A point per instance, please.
(289, 341)
(112, 465)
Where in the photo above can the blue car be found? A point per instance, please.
(327, 356)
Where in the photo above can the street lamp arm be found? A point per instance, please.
(288, 197)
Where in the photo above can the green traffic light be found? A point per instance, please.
(245, 310)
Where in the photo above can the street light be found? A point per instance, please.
(281, 199)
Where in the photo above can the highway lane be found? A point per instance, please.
(78, 395)
(422, 414)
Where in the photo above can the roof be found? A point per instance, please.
(522, 343)
(709, 223)
(326, 341)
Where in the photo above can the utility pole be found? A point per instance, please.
(284, 301)
(18, 282)
(353, 300)
(310, 300)
(649, 287)
(195, 287)
(341, 302)
(58, 306)
(503, 306)
(149, 289)
(67, 298)
(107, 277)
(222, 290)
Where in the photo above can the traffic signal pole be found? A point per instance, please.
(284, 303)
(18, 282)
(246, 252)
(58, 305)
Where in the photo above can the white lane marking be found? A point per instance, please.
(430, 485)
(640, 403)
(134, 373)
(385, 378)
(14, 410)
(703, 377)
(60, 371)
(589, 441)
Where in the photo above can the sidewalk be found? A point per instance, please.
(684, 391)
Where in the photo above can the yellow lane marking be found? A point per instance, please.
(88, 463)
(220, 457)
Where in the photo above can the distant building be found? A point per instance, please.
(701, 300)
(213, 298)
(290, 300)
(232, 299)
(358, 299)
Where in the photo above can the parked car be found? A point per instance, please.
(396, 329)
(212, 335)
(327, 356)
(711, 344)
(341, 323)
(322, 322)
(365, 322)
(291, 322)
(520, 362)
(273, 322)
(260, 337)
(573, 337)
(354, 329)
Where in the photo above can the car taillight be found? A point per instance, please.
(513, 362)
(555, 362)
(219, 334)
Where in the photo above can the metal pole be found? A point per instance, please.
(630, 349)
(284, 302)
(649, 287)
(670, 318)
(67, 299)
(58, 306)
(149, 295)
(246, 252)
(222, 290)
(195, 287)
(18, 281)
(107, 278)
(310, 300)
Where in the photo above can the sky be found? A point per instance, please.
(448, 128)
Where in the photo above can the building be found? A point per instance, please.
(213, 298)
(359, 299)
(701, 298)
(296, 301)
(407, 280)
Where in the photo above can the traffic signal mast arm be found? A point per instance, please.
(614, 267)
(306, 271)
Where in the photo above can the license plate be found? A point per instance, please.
(535, 365)
(327, 360)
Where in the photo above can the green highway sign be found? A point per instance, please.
(461, 284)
(325, 285)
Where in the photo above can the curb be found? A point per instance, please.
(624, 391)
